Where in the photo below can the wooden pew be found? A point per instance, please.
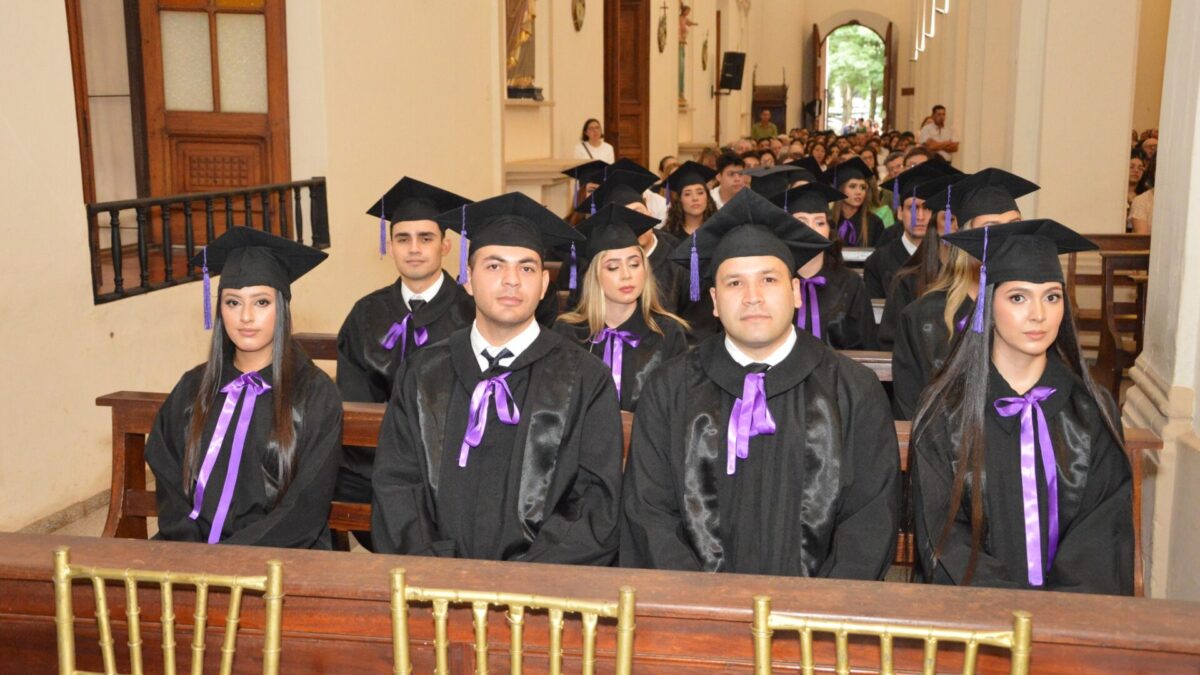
(323, 346)
(336, 619)
(1113, 357)
(1090, 320)
(130, 503)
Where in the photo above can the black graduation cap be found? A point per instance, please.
(748, 225)
(773, 180)
(849, 170)
(626, 164)
(1024, 250)
(807, 198)
(987, 191)
(621, 188)
(411, 199)
(613, 227)
(510, 219)
(906, 182)
(245, 257)
(690, 173)
(811, 165)
(594, 171)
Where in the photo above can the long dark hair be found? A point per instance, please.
(860, 219)
(676, 218)
(285, 383)
(583, 133)
(957, 397)
(925, 264)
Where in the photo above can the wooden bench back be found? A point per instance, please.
(1089, 320)
(130, 503)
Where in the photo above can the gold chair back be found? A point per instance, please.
(441, 599)
(270, 585)
(1018, 640)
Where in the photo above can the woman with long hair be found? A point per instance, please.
(877, 199)
(926, 326)
(619, 317)
(835, 306)
(691, 205)
(246, 448)
(1019, 478)
(856, 225)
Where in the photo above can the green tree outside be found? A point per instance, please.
(854, 75)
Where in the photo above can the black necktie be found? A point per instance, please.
(757, 367)
(415, 304)
(494, 361)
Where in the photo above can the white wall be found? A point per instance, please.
(664, 87)
(577, 71)
(1152, 52)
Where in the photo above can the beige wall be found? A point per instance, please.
(1151, 55)
(664, 87)
(577, 71)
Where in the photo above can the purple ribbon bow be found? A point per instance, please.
(253, 384)
(399, 333)
(506, 411)
(614, 345)
(847, 232)
(808, 289)
(749, 417)
(1029, 406)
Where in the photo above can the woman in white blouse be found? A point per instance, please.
(591, 143)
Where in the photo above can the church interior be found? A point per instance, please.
(135, 131)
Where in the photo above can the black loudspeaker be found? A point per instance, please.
(732, 65)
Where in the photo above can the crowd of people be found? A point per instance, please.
(1139, 196)
(711, 299)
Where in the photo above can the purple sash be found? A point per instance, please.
(399, 333)
(506, 411)
(749, 417)
(614, 344)
(808, 289)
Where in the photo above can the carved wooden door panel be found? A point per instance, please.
(215, 74)
(627, 78)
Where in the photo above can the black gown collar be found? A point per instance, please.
(1056, 375)
(434, 307)
(791, 371)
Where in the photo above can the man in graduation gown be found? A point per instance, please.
(912, 213)
(504, 441)
(762, 450)
(423, 306)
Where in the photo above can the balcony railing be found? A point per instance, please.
(142, 245)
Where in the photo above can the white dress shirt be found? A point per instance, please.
(518, 344)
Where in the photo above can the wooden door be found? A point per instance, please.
(627, 78)
(818, 81)
(889, 87)
(215, 75)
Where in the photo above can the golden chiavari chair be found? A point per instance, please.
(516, 604)
(1017, 640)
(65, 572)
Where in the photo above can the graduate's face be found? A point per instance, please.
(818, 222)
(916, 230)
(418, 248)
(622, 275)
(507, 282)
(694, 200)
(755, 297)
(1027, 318)
(249, 317)
(855, 190)
(730, 179)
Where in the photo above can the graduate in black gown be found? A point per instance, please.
(855, 224)
(761, 450)
(836, 307)
(888, 258)
(916, 227)
(504, 441)
(691, 205)
(1019, 475)
(422, 307)
(245, 450)
(619, 318)
(924, 330)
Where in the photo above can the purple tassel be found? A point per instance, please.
(574, 276)
(593, 198)
(785, 200)
(896, 196)
(694, 266)
(977, 321)
(575, 201)
(382, 229)
(207, 285)
(912, 210)
(946, 228)
(668, 191)
(463, 245)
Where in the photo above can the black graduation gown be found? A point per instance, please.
(300, 518)
(366, 370)
(921, 347)
(818, 498)
(544, 490)
(889, 234)
(847, 318)
(637, 363)
(904, 293)
(882, 265)
(874, 227)
(1095, 497)
(671, 279)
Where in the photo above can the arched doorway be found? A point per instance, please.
(852, 76)
(855, 61)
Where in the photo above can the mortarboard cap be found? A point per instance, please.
(594, 171)
(748, 225)
(690, 173)
(622, 187)
(807, 198)
(245, 257)
(811, 165)
(411, 199)
(851, 169)
(773, 180)
(613, 227)
(987, 191)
